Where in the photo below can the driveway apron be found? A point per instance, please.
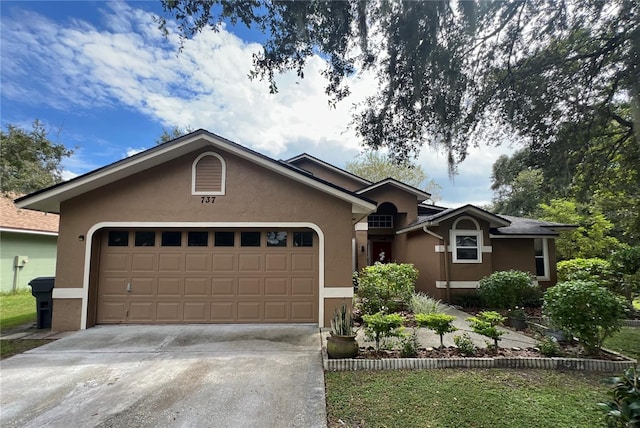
(169, 376)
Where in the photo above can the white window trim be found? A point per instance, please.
(223, 180)
(545, 258)
(454, 253)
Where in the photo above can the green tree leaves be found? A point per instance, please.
(29, 161)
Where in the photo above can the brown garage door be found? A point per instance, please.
(208, 276)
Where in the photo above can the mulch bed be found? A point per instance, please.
(569, 350)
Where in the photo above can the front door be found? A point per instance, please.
(381, 252)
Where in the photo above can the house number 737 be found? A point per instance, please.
(208, 199)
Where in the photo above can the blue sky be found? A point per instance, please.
(101, 77)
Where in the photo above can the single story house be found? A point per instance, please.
(28, 243)
(204, 230)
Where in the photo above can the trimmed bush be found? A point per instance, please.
(486, 324)
(379, 326)
(595, 269)
(585, 310)
(506, 289)
(439, 322)
(386, 287)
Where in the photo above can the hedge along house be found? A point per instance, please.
(28, 242)
(200, 230)
(203, 230)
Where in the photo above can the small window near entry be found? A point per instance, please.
(224, 239)
(250, 239)
(171, 239)
(277, 239)
(467, 246)
(303, 239)
(380, 220)
(198, 239)
(145, 238)
(118, 238)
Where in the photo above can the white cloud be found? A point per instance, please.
(127, 64)
(131, 151)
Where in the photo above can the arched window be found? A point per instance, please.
(208, 175)
(466, 240)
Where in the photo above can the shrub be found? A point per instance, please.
(486, 324)
(549, 347)
(585, 310)
(595, 269)
(505, 289)
(624, 408)
(386, 287)
(342, 322)
(467, 300)
(379, 326)
(409, 345)
(440, 323)
(423, 304)
(465, 345)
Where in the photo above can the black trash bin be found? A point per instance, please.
(42, 288)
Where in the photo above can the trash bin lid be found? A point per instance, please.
(42, 284)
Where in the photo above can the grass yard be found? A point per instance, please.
(17, 309)
(464, 398)
(626, 341)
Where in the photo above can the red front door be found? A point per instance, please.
(381, 252)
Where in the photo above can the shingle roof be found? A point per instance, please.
(12, 217)
(527, 226)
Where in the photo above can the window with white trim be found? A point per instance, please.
(208, 175)
(467, 246)
(541, 251)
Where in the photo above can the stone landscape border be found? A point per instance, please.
(555, 363)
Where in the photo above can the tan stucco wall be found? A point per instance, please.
(515, 254)
(329, 175)
(404, 202)
(163, 194)
(420, 250)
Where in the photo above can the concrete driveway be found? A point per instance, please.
(169, 376)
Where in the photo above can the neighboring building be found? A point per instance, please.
(28, 241)
(203, 230)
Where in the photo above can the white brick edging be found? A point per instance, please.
(556, 363)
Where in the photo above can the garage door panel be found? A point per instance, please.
(249, 262)
(224, 262)
(276, 262)
(143, 287)
(249, 287)
(223, 311)
(276, 287)
(198, 262)
(144, 262)
(196, 311)
(170, 287)
(118, 262)
(143, 311)
(196, 287)
(182, 283)
(114, 286)
(276, 311)
(112, 311)
(223, 287)
(249, 311)
(171, 263)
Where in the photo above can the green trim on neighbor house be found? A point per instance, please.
(40, 250)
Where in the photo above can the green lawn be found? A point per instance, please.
(16, 309)
(626, 341)
(464, 398)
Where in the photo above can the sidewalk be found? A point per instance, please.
(30, 332)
